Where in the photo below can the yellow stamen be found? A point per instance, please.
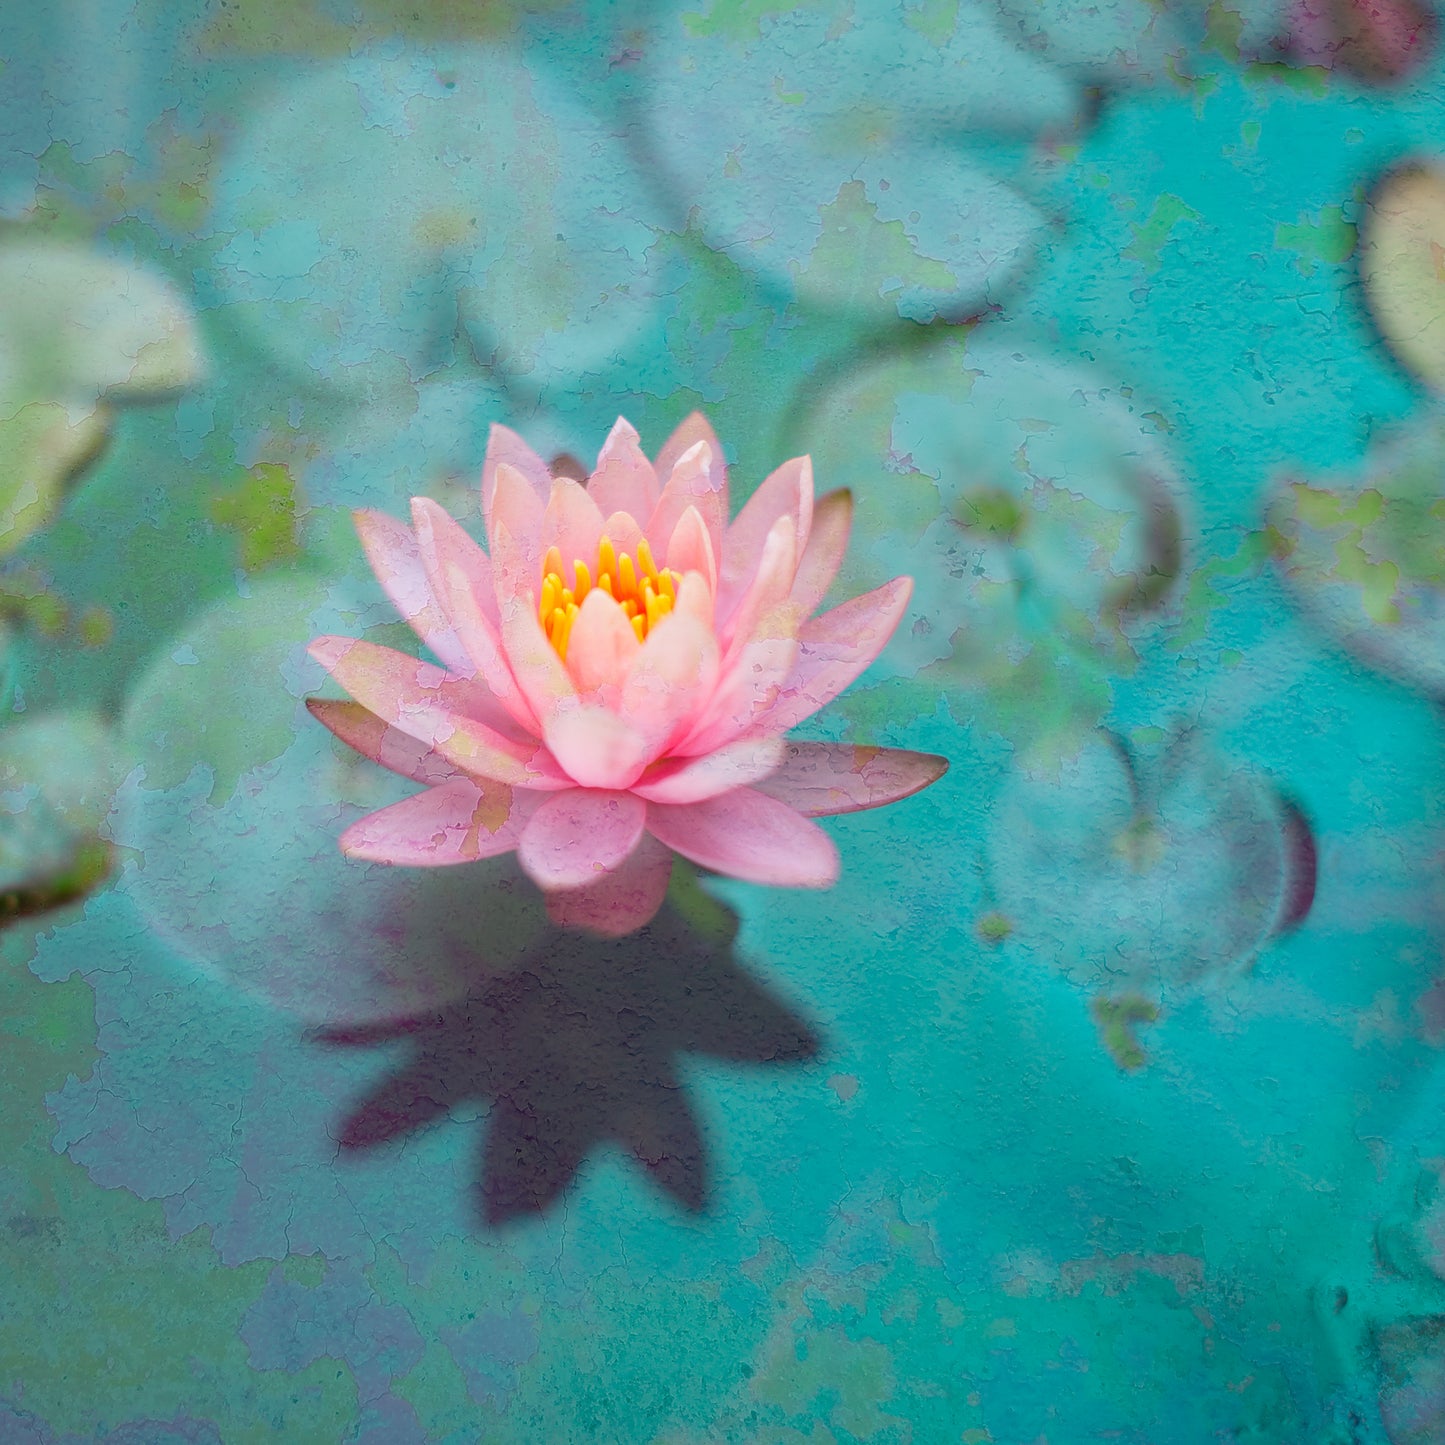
(561, 641)
(644, 591)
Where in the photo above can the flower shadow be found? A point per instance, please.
(577, 1047)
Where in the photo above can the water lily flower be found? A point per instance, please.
(617, 673)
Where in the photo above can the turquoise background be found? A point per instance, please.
(908, 1182)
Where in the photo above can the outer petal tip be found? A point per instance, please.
(329, 650)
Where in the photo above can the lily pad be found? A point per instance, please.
(78, 331)
(1024, 497)
(235, 808)
(1364, 553)
(58, 773)
(374, 206)
(1402, 266)
(827, 150)
(1136, 872)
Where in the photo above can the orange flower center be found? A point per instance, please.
(644, 591)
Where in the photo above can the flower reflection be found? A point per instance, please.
(579, 1048)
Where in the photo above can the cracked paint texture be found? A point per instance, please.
(1100, 1099)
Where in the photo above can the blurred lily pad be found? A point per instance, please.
(1402, 266)
(515, 222)
(1026, 497)
(826, 149)
(1364, 553)
(236, 805)
(58, 774)
(79, 331)
(1135, 871)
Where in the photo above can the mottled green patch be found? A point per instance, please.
(992, 511)
(437, 1390)
(311, 27)
(934, 20)
(1117, 1020)
(1330, 239)
(1382, 542)
(836, 1376)
(1223, 29)
(1150, 238)
(854, 241)
(739, 20)
(260, 511)
(29, 599)
(994, 927)
(1308, 80)
(1202, 599)
(95, 626)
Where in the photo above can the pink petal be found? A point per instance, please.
(572, 524)
(690, 549)
(671, 679)
(764, 608)
(574, 837)
(455, 822)
(620, 901)
(596, 748)
(602, 645)
(818, 779)
(834, 649)
(787, 492)
(461, 578)
(827, 542)
(747, 835)
(693, 780)
(517, 510)
(374, 739)
(744, 696)
(694, 599)
(624, 480)
(542, 678)
(504, 446)
(434, 709)
(622, 529)
(696, 481)
(759, 660)
(391, 548)
(694, 429)
(449, 539)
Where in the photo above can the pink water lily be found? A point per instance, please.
(618, 671)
